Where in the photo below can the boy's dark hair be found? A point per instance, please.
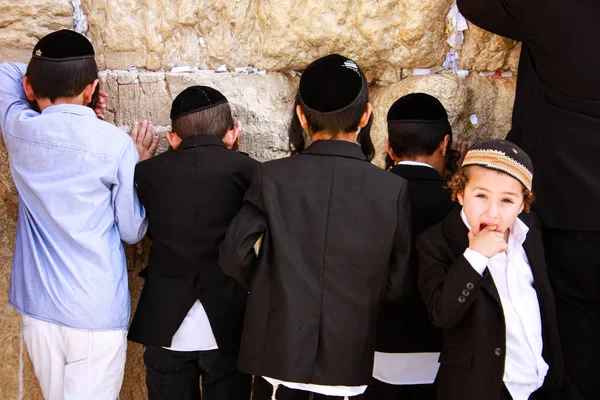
(53, 80)
(337, 94)
(62, 65)
(214, 121)
(417, 124)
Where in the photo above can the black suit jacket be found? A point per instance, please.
(467, 307)
(404, 325)
(190, 194)
(556, 117)
(336, 239)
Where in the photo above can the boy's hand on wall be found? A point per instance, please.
(101, 105)
(145, 142)
(488, 241)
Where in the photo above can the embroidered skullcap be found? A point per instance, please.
(504, 156)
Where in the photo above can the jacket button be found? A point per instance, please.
(498, 351)
(466, 293)
(470, 286)
(462, 299)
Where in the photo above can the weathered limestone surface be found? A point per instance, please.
(269, 34)
(491, 100)
(23, 23)
(262, 104)
(484, 51)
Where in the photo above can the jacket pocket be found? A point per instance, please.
(454, 357)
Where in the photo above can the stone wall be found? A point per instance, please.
(149, 51)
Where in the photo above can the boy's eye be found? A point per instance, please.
(480, 196)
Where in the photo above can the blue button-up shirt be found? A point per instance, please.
(77, 201)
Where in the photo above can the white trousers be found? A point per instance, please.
(74, 364)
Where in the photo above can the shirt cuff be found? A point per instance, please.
(477, 260)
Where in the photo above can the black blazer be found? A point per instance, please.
(404, 325)
(467, 307)
(190, 194)
(336, 238)
(556, 118)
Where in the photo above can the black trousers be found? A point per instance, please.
(505, 395)
(573, 260)
(263, 390)
(173, 375)
(384, 391)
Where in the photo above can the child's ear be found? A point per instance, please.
(88, 92)
(364, 120)
(173, 139)
(231, 135)
(301, 117)
(390, 151)
(444, 145)
(461, 199)
(28, 89)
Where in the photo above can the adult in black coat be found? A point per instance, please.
(420, 146)
(336, 242)
(191, 194)
(556, 120)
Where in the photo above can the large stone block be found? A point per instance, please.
(273, 35)
(263, 104)
(484, 51)
(23, 23)
(491, 100)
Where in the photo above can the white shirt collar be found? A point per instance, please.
(518, 230)
(415, 164)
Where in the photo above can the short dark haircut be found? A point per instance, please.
(215, 121)
(427, 127)
(52, 80)
(346, 120)
(417, 125)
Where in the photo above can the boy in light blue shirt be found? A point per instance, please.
(77, 201)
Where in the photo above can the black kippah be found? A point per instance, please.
(331, 84)
(503, 156)
(63, 45)
(194, 99)
(420, 112)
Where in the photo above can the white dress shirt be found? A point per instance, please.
(195, 332)
(525, 368)
(341, 391)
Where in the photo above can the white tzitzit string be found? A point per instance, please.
(275, 387)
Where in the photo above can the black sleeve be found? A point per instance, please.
(397, 277)
(140, 188)
(502, 17)
(448, 290)
(236, 252)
